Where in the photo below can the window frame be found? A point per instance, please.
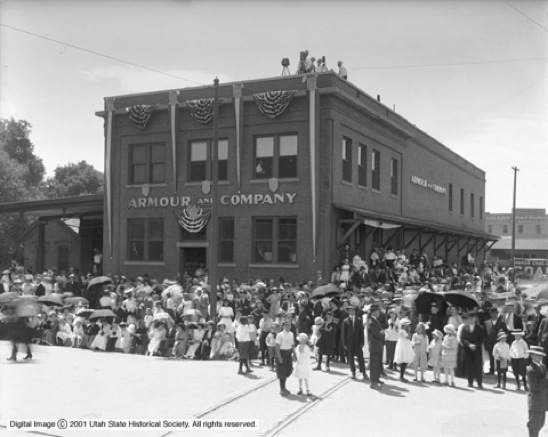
(376, 170)
(148, 164)
(147, 238)
(462, 201)
(274, 241)
(276, 156)
(346, 159)
(209, 158)
(450, 197)
(223, 241)
(362, 165)
(394, 177)
(472, 212)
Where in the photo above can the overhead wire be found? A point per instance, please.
(526, 16)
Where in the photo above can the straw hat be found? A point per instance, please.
(536, 350)
(449, 329)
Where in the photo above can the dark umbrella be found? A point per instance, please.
(424, 301)
(326, 290)
(460, 299)
(8, 296)
(99, 280)
(51, 300)
(97, 314)
(76, 300)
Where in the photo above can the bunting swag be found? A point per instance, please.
(192, 218)
(201, 110)
(141, 114)
(273, 103)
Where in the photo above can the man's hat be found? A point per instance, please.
(318, 321)
(536, 350)
(374, 307)
(351, 307)
(517, 332)
(287, 322)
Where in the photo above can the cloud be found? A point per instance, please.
(129, 79)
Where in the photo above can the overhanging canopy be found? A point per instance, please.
(61, 207)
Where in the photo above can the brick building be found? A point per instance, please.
(306, 164)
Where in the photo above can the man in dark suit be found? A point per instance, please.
(537, 400)
(352, 337)
(472, 340)
(362, 279)
(513, 322)
(375, 336)
(73, 286)
(492, 327)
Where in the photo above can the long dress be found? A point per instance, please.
(156, 337)
(100, 340)
(404, 348)
(303, 369)
(420, 359)
(196, 340)
(226, 315)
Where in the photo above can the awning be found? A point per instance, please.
(414, 223)
(60, 207)
(505, 243)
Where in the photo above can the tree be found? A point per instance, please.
(75, 180)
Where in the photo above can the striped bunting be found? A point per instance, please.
(192, 218)
(201, 110)
(141, 114)
(273, 103)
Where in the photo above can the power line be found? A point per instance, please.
(526, 16)
(101, 54)
(451, 64)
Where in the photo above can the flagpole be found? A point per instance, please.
(214, 221)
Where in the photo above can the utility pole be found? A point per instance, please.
(514, 217)
(214, 221)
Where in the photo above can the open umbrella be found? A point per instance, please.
(326, 290)
(176, 292)
(460, 299)
(99, 280)
(51, 300)
(543, 294)
(192, 314)
(27, 306)
(84, 312)
(8, 296)
(164, 317)
(424, 300)
(97, 314)
(76, 300)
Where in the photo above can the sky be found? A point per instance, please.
(472, 74)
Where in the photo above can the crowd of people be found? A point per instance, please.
(368, 314)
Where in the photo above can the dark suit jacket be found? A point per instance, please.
(468, 338)
(491, 332)
(537, 398)
(374, 336)
(352, 334)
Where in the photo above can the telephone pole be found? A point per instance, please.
(514, 216)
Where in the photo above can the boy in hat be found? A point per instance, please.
(519, 351)
(537, 400)
(285, 341)
(501, 355)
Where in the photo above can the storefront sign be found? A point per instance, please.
(226, 199)
(431, 186)
(532, 267)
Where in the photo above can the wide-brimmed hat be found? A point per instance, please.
(318, 321)
(536, 350)
(517, 332)
(374, 307)
(405, 322)
(302, 336)
(449, 329)
(501, 335)
(437, 333)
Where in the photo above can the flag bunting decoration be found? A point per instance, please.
(192, 218)
(141, 114)
(273, 103)
(201, 110)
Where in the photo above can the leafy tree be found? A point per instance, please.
(75, 180)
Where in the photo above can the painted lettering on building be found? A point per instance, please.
(226, 199)
(429, 185)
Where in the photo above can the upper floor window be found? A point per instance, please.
(451, 197)
(347, 159)
(201, 157)
(394, 177)
(471, 204)
(147, 163)
(146, 239)
(362, 165)
(276, 156)
(376, 170)
(481, 208)
(462, 200)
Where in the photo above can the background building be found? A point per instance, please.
(306, 164)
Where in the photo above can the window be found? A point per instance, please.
(471, 204)
(394, 177)
(146, 239)
(539, 229)
(520, 229)
(226, 239)
(462, 200)
(147, 163)
(63, 257)
(451, 197)
(275, 240)
(490, 229)
(201, 155)
(504, 229)
(481, 208)
(362, 165)
(376, 170)
(347, 159)
(276, 156)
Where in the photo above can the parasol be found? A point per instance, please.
(84, 312)
(76, 300)
(460, 299)
(51, 300)
(192, 314)
(176, 292)
(326, 290)
(424, 301)
(8, 296)
(164, 317)
(99, 280)
(97, 314)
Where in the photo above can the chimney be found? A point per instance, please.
(378, 98)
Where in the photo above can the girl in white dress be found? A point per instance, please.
(404, 348)
(156, 336)
(303, 369)
(226, 316)
(100, 340)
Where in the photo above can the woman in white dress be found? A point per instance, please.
(303, 369)
(65, 331)
(404, 353)
(100, 340)
(195, 340)
(156, 336)
(226, 316)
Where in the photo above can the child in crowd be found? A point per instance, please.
(181, 340)
(519, 352)
(404, 354)
(391, 338)
(123, 341)
(434, 351)
(449, 353)
(78, 333)
(271, 345)
(420, 346)
(303, 369)
(501, 355)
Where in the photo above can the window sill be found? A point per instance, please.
(226, 265)
(144, 263)
(374, 191)
(265, 181)
(141, 185)
(347, 183)
(363, 187)
(192, 243)
(394, 196)
(199, 183)
(274, 266)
